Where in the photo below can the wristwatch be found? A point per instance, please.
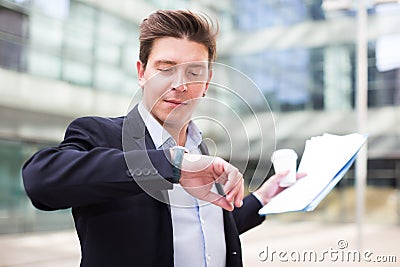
(177, 162)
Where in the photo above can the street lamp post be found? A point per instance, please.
(361, 110)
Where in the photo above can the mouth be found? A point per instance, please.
(175, 102)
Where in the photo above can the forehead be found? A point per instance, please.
(177, 51)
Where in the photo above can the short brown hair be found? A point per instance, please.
(179, 24)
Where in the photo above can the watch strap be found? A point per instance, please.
(177, 163)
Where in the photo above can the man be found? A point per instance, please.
(157, 213)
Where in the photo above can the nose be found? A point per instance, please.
(181, 87)
(179, 82)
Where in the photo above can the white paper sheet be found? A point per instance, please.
(325, 159)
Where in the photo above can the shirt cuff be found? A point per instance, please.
(259, 199)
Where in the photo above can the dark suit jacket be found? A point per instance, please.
(118, 224)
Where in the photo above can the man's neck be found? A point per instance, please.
(178, 133)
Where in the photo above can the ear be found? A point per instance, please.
(208, 82)
(140, 72)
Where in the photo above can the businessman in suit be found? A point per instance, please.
(142, 189)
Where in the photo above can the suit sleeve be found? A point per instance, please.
(247, 217)
(80, 171)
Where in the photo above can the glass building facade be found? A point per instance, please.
(64, 58)
(69, 41)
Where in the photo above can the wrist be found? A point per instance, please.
(177, 159)
(259, 197)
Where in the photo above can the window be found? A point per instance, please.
(12, 35)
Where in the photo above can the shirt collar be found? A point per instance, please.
(194, 137)
(160, 136)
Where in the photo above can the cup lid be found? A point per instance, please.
(283, 153)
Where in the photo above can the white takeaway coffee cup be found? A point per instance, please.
(283, 160)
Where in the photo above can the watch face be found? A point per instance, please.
(181, 148)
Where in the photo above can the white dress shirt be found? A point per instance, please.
(198, 227)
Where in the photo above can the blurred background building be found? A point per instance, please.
(61, 59)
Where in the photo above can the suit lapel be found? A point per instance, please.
(136, 137)
(134, 131)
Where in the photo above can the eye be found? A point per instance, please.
(194, 73)
(165, 69)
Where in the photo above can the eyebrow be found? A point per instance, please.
(173, 63)
(164, 62)
(197, 65)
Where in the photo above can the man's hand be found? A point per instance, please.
(200, 172)
(271, 187)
